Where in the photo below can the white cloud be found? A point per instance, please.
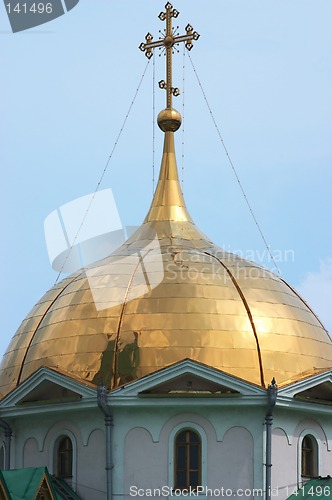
(316, 289)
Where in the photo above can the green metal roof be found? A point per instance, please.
(320, 487)
(24, 483)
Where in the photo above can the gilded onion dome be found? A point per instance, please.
(167, 294)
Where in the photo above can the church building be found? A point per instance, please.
(170, 368)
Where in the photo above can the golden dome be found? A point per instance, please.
(165, 295)
(168, 294)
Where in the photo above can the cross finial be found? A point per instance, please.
(168, 41)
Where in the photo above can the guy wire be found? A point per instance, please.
(234, 170)
(103, 173)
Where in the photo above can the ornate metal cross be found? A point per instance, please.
(168, 41)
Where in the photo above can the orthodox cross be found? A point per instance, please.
(168, 41)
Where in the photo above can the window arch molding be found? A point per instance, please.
(316, 457)
(2, 456)
(53, 454)
(184, 426)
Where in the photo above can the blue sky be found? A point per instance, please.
(266, 70)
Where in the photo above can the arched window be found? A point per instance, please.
(65, 457)
(187, 460)
(309, 465)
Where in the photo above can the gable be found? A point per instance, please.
(189, 384)
(28, 483)
(47, 387)
(320, 393)
(187, 378)
(44, 491)
(316, 388)
(50, 392)
(33, 482)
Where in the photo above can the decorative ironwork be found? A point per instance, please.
(168, 41)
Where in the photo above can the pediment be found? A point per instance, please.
(45, 387)
(188, 378)
(320, 393)
(189, 384)
(316, 389)
(50, 392)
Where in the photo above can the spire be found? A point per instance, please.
(168, 202)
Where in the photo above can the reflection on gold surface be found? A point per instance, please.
(165, 295)
(207, 305)
(168, 294)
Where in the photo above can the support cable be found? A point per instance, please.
(153, 120)
(103, 173)
(233, 168)
(183, 93)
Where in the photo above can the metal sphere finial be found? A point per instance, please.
(169, 120)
